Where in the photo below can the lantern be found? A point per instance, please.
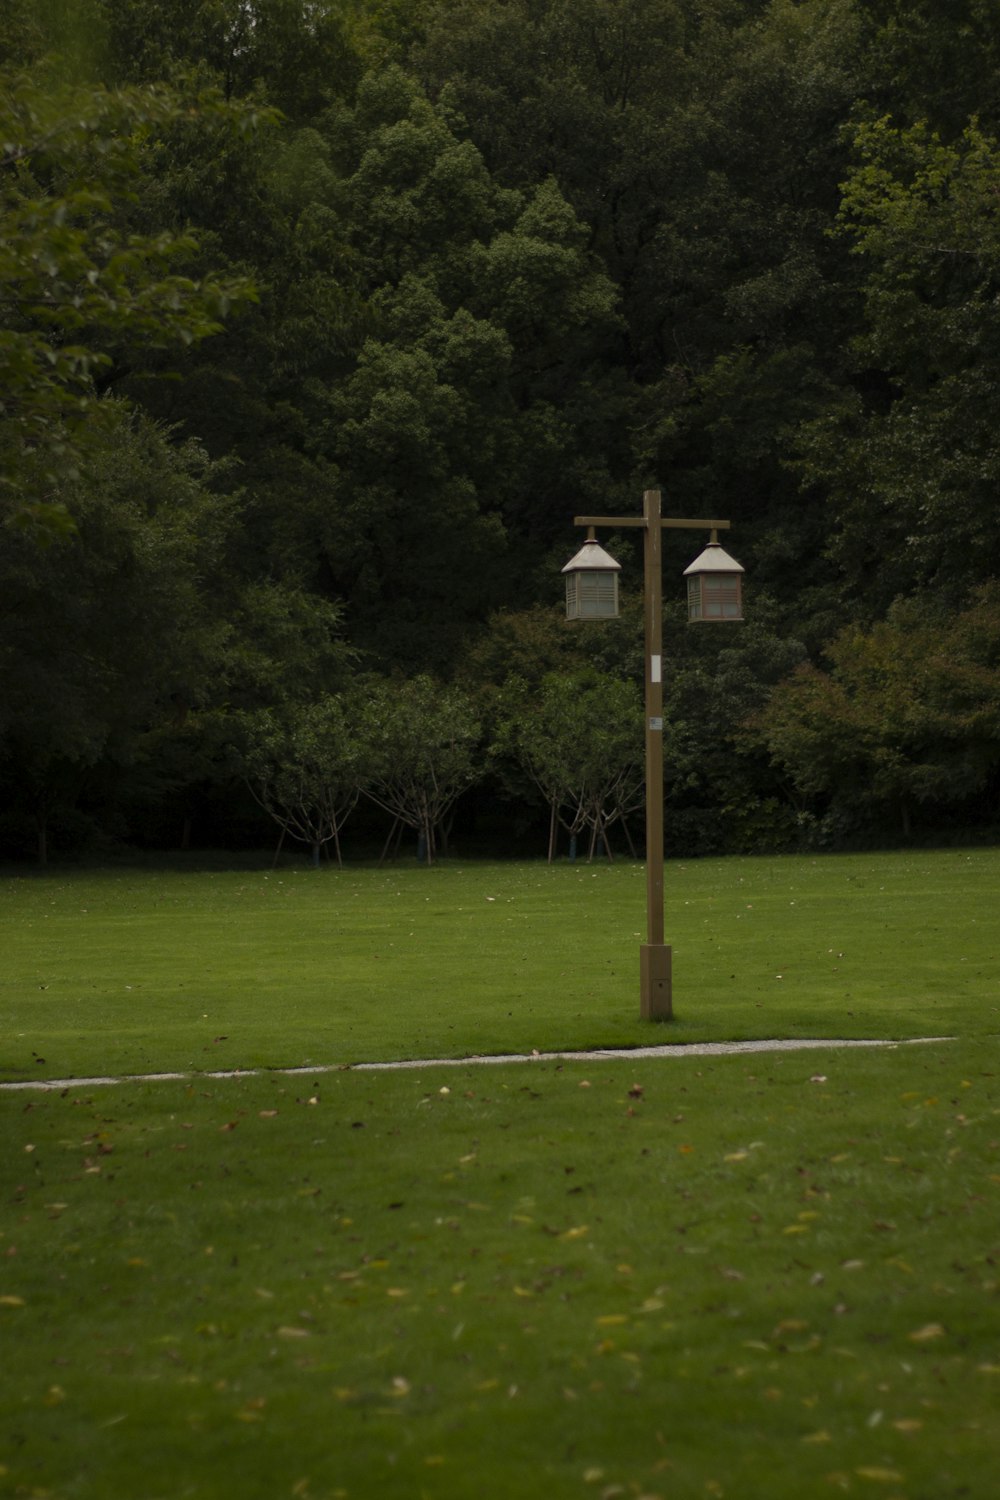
(715, 585)
(592, 584)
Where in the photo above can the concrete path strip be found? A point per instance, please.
(601, 1054)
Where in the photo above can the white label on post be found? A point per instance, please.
(656, 669)
(656, 723)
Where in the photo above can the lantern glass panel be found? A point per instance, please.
(715, 596)
(592, 594)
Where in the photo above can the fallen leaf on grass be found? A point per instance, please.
(818, 1437)
(928, 1332)
(11, 1301)
(880, 1476)
(293, 1333)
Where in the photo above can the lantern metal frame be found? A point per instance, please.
(715, 586)
(592, 583)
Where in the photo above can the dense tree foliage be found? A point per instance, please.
(306, 767)
(579, 740)
(320, 321)
(420, 742)
(75, 283)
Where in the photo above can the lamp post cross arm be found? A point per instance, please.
(665, 522)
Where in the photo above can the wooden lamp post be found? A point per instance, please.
(714, 593)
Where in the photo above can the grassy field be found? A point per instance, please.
(132, 972)
(767, 1276)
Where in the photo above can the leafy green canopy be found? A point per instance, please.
(908, 714)
(420, 742)
(74, 281)
(580, 741)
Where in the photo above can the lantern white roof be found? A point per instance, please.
(714, 560)
(592, 556)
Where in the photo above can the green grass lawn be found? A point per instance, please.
(769, 1276)
(761, 1276)
(125, 971)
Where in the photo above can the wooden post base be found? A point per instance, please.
(655, 986)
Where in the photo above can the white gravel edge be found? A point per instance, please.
(603, 1054)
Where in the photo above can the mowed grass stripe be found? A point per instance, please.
(131, 972)
(767, 1275)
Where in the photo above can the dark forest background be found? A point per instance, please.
(319, 322)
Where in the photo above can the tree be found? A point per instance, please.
(580, 741)
(421, 744)
(474, 387)
(909, 454)
(935, 65)
(292, 54)
(73, 279)
(908, 714)
(722, 793)
(108, 631)
(305, 766)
